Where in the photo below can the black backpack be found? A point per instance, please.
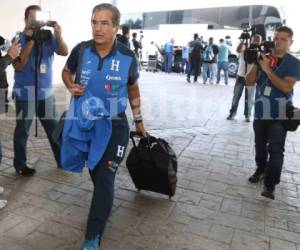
(152, 165)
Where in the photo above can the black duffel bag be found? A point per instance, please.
(152, 165)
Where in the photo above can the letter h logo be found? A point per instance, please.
(115, 65)
(121, 150)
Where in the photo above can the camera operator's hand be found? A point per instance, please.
(57, 31)
(264, 63)
(14, 50)
(62, 48)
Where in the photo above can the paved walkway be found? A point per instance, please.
(214, 206)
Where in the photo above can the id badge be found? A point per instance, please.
(43, 68)
(267, 91)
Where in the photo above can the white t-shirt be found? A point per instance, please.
(152, 50)
(241, 69)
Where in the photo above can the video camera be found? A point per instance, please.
(252, 54)
(246, 31)
(4, 44)
(37, 25)
(42, 20)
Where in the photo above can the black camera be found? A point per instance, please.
(4, 44)
(252, 54)
(39, 34)
(42, 35)
(36, 25)
(246, 31)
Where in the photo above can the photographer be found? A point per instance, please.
(275, 75)
(137, 45)
(240, 82)
(33, 40)
(12, 53)
(124, 38)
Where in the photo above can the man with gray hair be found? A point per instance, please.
(107, 72)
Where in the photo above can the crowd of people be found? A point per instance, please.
(97, 136)
(199, 57)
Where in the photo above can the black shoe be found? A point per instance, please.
(256, 177)
(268, 192)
(188, 80)
(230, 117)
(26, 171)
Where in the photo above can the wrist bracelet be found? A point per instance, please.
(138, 121)
(137, 117)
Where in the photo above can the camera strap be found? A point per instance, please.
(275, 70)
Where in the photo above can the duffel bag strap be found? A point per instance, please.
(133, 134)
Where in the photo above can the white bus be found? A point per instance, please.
(217, 22)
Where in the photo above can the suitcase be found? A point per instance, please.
(152, 165)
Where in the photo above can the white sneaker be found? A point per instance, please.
(3, 203)
(1, 190)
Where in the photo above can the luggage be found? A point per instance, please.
(152, 165)
(152, 63)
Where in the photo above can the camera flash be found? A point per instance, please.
(43, 16)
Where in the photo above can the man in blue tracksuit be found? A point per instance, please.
(108, 74)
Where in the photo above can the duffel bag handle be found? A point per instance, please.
(133, 134)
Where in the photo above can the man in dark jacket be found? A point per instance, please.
(195, 58)
(12, 53)
(137, 45)
(124, 38)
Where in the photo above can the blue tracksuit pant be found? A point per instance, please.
(103, 177)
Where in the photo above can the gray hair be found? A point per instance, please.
(113, 9)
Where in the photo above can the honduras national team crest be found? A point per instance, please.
(113, 166)
(107, 87)
(112, 87)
